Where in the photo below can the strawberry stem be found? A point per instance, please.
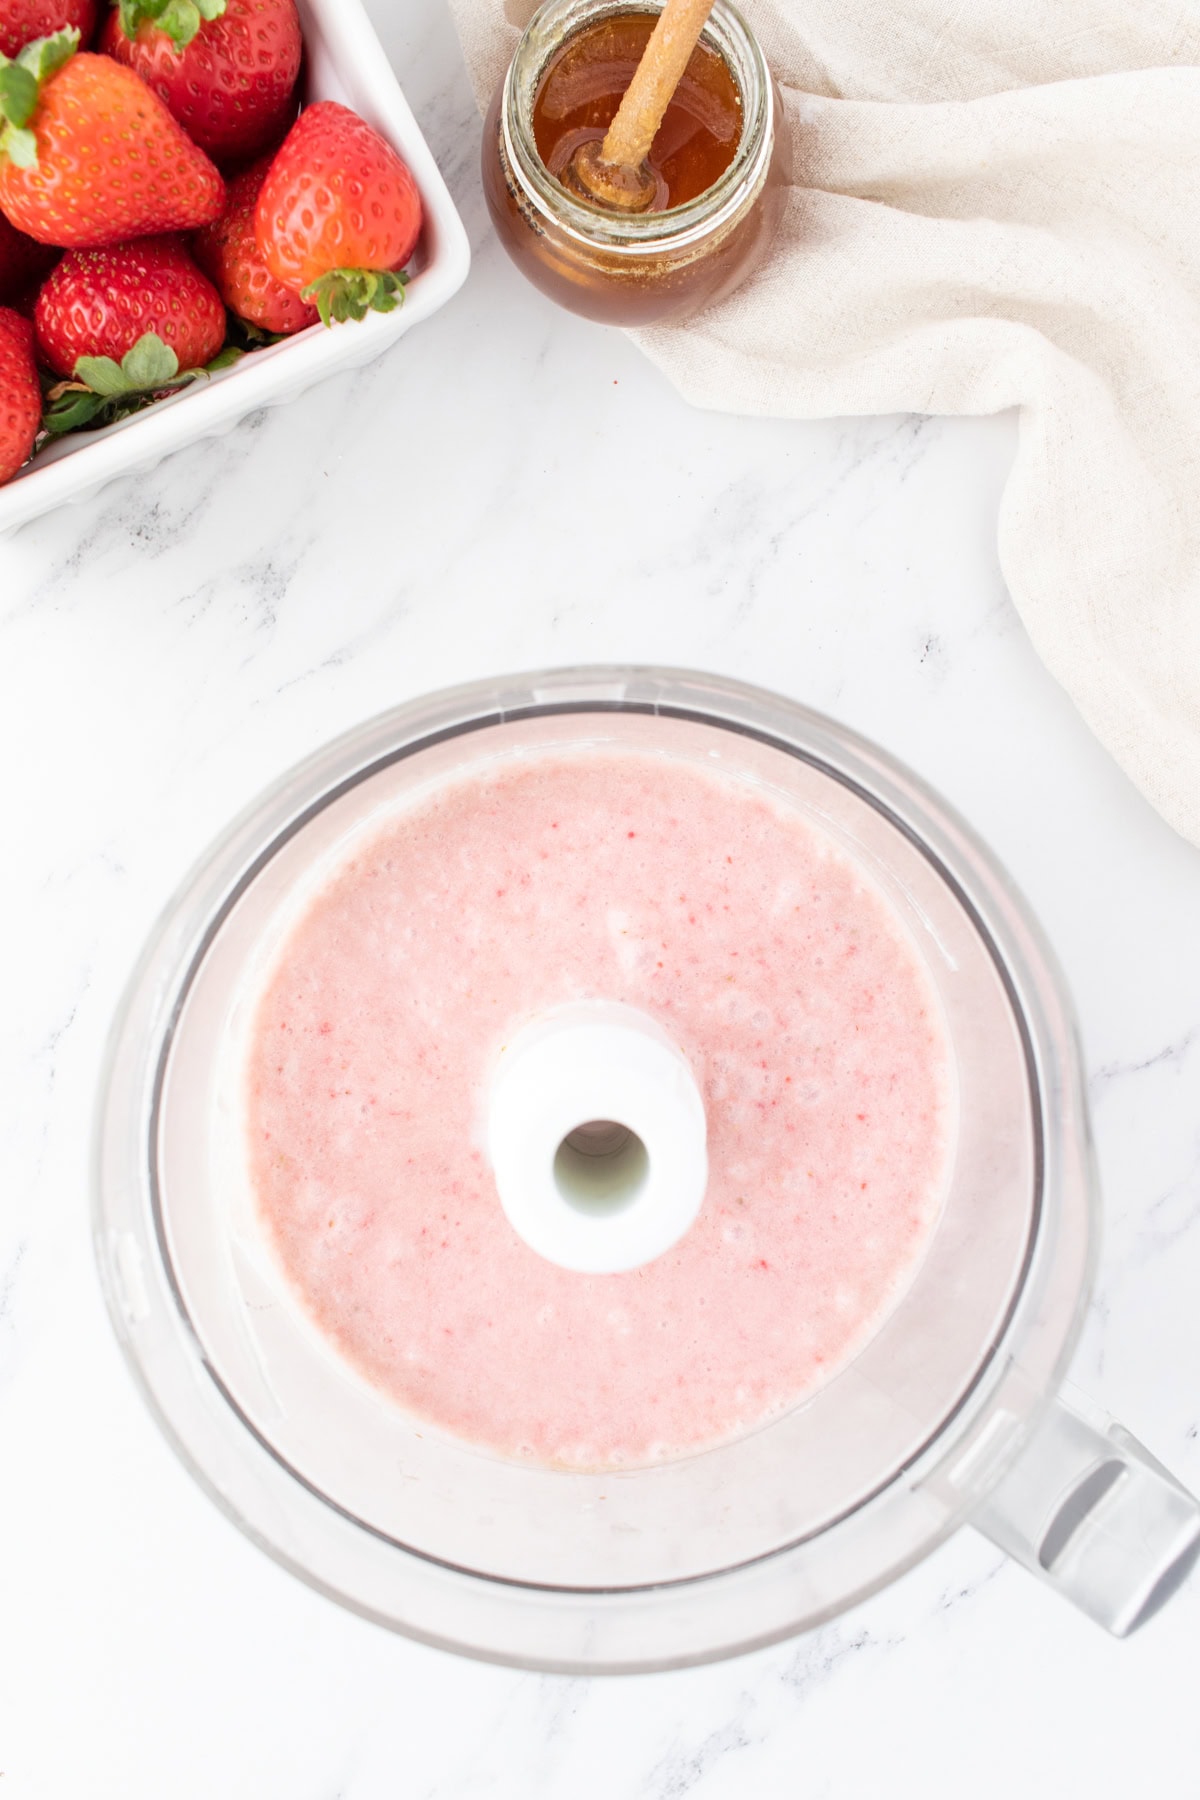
(179, 19)
(352, 293)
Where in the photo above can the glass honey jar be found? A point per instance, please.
(719, 161)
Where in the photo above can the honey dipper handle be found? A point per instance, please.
(655, 79)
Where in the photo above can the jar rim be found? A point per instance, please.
(676, 228)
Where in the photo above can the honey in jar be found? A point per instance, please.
(716, 161)
(578, 96)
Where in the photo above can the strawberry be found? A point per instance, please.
(227, 251)
(338, 213)
(89, 156)
(20, 394)
(21, 21)
(23, 262)
(226, 69)
(100, 302)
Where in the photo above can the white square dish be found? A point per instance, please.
(344, 61)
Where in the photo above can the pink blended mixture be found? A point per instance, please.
(773, 963)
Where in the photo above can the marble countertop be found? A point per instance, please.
(171, 647)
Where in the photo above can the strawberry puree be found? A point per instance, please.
(777, 968)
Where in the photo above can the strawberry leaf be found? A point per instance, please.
(20, 87)
(20, 147)
(71, 411)
(102, 375)
(18, 94)
(245, 336)
(150, 364)
(46, 56)
(352, 293)
(179, 19)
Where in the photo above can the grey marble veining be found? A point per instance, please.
(171, 647)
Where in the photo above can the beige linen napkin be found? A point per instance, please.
(997, 204)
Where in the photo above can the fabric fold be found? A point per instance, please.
(990, 210)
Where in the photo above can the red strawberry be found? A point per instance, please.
(23, 262)
(225, 68)
(23, 20)
(89, 156)
(337, 213)
(20, 395)
(228, 252)
(100, 302)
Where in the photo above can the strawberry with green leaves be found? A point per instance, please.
(89, 156)
(21, 21)
(101, 302)
(339, 215)
(228, 252)
(226, 69)
(20, 394)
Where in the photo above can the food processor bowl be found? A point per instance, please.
(949, 1413)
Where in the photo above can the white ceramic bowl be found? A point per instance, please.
(344, 61)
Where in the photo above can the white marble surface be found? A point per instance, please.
(167, 650)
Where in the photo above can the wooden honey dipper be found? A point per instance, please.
(614, 173)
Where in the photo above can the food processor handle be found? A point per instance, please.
(1090, 1511)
